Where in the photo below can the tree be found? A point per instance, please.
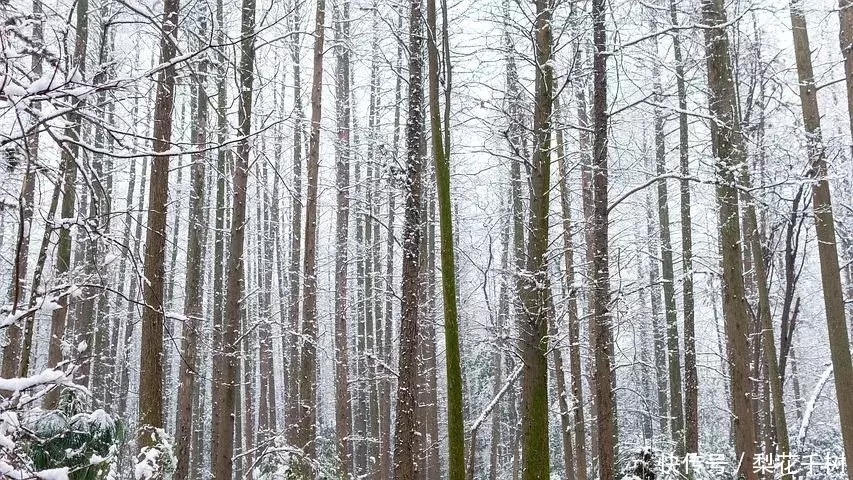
(658, 330)
(441, 156)
(223, 158)
(676, 408)
(728, 149)
(308, 357)
(343, 413)
(691, 380)
(68, 157)
(839, 342)
(533, 283)
(222, 443)
(601, 334)
(406, 427)
(12, 354)
(562, 396)
(568, 253)
(385, 446)
(194, 280)
(293, 397)
(153, 313)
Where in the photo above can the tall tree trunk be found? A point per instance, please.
(343, 411)
(266, 364)
(199, 446)
(645, 371)
(587, 200)
(133, 288)
(194, 279)
(658, 330)
(153, 313)
(533, 283)
(308, 357)
(222, 442)
(12, 350)
(118, 366)
(790, 308)
(12, 353)
(691, 379)
(441, 157)
(602, 338)
(501, 325)
(833, 295)
(293, 397)
(68, 157)
(428, 381)
(568, 251)
(573, 321)
(729, 150)
(574, 314)
(406, 428)
(765, 323)
(769, 365)
(371, 309)
(361, 413)
(279, 262)
(518, 149)
(385, 446)
(223, 158)
(247, 409)
(676, 410)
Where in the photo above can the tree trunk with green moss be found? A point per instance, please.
(441, 157)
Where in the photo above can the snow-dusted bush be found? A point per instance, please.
(158, 460)
(641, 465)
(73, 436)
(72, 442)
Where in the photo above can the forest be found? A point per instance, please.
(423, 240)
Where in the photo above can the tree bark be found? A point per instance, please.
(371, 308)
(194, 280)
(308, 354)
(223, 158)
(568, 252)
(343, 411)
(153, 313)
(59, 317)
(676, 408)
(729, 150)
(133, 289)
(658, 331)
(833, 294)
(441, 157)
(691, 378)
(532, 283)
(406, 428)
(602, 339)
(222, 442)
(501, 326)
(770, 364)
(12, 353)
(293, 397)
(385, 465)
